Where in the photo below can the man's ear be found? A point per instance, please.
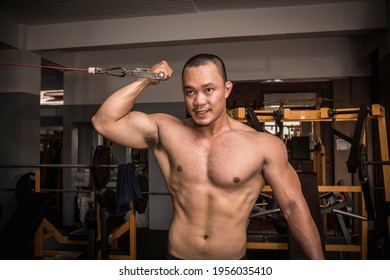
(228, 88)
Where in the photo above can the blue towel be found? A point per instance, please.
(127, 188)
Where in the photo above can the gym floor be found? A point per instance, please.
(151, 245)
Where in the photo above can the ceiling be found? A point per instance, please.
(40, 12)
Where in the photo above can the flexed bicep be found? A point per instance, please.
(116, 121)
(136, 130)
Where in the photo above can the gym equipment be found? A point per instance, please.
(112, 71)
(271, 232)
(357, 160)
(300, 148)
(17, 237)
(336, 208)
(95, 234)
(310, 192)
(100, 174)
(122, 72)
(24, 186)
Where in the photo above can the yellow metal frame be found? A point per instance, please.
(316, 115)
(48, 230)
(358, 248)
(377, 112)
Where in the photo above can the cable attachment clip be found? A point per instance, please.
(108, 71)
(121, 72)
(144, 73)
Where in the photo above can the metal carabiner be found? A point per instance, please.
(121, 73)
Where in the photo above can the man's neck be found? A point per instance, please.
(215, 128)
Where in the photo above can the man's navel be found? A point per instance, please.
(179, 168)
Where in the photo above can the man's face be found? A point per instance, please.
(205, 93)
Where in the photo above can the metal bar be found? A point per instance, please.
(254, 120)
(344, 229)
(89, 191)
(60, 165)
(266, 195)
(384, 148)
(104, 236)
(340, 134)
(66, 191)
(350, 215)
(368, 201)
(331, 207)
(265, 212)
(352, 111)
(155, 193)
(356, 140)
(319, 115)
(372, 162)
(261, 204)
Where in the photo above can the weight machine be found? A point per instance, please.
(357, 161)
(95, 236)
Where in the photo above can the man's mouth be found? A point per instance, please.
(201, 113)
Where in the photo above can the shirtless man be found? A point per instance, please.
(214, 166)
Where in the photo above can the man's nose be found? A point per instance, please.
(199, 99)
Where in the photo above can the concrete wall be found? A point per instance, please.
(19, 144)
(256, 60)
(19, 126)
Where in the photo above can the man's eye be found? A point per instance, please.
(189, 92)
(210, 90)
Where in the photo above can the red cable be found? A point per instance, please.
(45, 66)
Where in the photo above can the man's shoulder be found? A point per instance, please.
(246, 129)
(264, 139)
(240, 127)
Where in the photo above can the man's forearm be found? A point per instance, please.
(314, 248)
(308, 238)
(119, 104)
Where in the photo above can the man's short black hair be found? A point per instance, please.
(204, 58)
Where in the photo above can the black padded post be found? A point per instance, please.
(300, 148)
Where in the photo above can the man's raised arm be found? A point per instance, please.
(115, 120)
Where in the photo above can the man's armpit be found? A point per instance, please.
(151, 139)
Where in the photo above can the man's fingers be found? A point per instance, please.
(163, 68)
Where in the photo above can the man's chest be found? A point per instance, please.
(220, 161)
